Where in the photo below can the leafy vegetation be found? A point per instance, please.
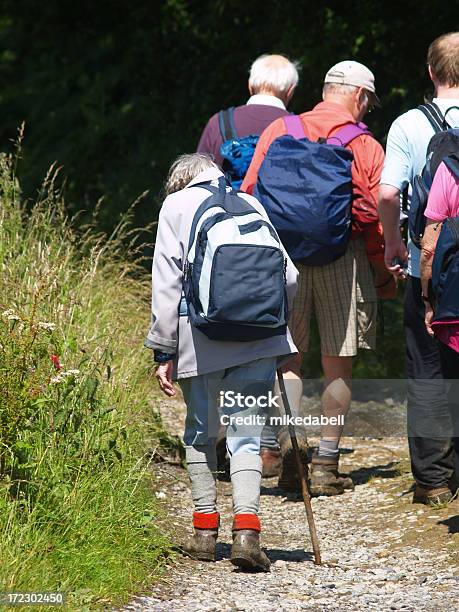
(76, 510)
(115, 91)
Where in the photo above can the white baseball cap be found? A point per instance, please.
(353, 73)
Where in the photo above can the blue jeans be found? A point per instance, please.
(202, 398)
(201, 394)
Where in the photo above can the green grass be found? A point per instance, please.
(77, 513)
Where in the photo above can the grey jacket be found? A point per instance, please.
(172, 333)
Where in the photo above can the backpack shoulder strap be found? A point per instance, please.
(433, 114)
(294, 126)
(219, 197)
(446, 112)
(226, 124)
(452, 162)
(345, 135)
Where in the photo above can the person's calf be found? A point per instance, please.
(202, 467)
(246, 469)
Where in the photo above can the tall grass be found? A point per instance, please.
(76, 510)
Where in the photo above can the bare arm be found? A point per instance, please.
(389, 213)
(429, 243)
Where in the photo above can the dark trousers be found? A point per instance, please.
(429, 417)
(450, 368)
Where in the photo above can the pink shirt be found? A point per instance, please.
(444, 195)
(444, 202)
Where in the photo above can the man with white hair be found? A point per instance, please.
(272, 81)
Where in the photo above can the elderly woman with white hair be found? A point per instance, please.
(184, 353)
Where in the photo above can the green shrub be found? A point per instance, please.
(76, 510)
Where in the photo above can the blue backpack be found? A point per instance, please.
(235, 270)
(237, 152)
(445, 266)
(306, 189)
(444, 142)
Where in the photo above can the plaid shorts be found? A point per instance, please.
(343, 298)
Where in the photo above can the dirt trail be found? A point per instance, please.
(380, 551)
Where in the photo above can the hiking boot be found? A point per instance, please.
(432, 497)
(201, 545)
(326, 479)
(272, 462)
(289, 480)
(246, 552)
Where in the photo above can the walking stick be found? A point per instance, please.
(301, 472)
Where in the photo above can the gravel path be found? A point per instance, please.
(380, 551)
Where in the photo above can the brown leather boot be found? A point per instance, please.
(432, 497)
(326, 479)
(272, 462)
(289, 480)
(201, 545)
(245, 551)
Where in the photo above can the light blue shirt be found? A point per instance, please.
(406, 149)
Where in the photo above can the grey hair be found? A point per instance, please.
(274, 73)
(342, 90)
(337, 88)
(184, 169)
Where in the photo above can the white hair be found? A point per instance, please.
(185, 168)
(274, 73)
(343, 90)
(338, 88)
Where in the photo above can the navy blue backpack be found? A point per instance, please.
(235, 270)
(306, 189)
(445, 266)
(444, 142)
(237, 152)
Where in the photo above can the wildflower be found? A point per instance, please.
(71, 373)
(10, 315)
(62, 376)
(47, 326)
(55, 380)
(55, 360)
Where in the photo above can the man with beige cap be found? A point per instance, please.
(341, 294)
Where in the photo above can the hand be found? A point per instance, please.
(428, 317)
(385, 282)
(164, 377)
(395, 250)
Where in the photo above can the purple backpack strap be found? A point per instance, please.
(294, 126)
(347, 134)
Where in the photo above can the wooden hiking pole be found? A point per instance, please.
(301, 472)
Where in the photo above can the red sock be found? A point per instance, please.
(246, 521)
(203, 520)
